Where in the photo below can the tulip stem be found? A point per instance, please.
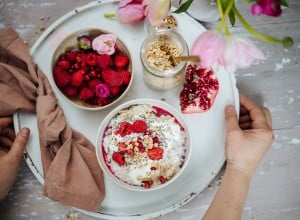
(224, 15)
(253, 31)
(222, 22)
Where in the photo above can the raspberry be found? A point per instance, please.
(155, 153)
(121, 60)
(125, 128)
(61, 77)
(103, 102)
(70, 91)
(118, 158)
(114, 91)
(91, 59)
(86, 94)
(103, 61)
(83, 58)
(112, 78)
(64, 64)
(71, 55)
(139, 126)
(126, 76)
(77, 78)
(93, 83)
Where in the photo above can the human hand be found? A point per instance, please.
(11, 151)
(248, 138)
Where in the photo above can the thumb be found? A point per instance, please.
(231, 119)
(17, 148)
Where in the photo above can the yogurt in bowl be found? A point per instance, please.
(143, 145)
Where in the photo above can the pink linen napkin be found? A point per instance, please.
(71, 171)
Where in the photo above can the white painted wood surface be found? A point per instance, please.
(275, 188)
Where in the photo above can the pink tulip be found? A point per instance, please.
(131, 11)
(267, 7)
(240, 53)
(157, 10)
(124, 3)
(210, 47)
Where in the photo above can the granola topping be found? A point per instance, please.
(159, 53)
(144, 145)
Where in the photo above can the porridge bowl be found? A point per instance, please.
(143, 145)
(92, 69)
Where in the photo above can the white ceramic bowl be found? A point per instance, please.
(69, 44)
(176, 149)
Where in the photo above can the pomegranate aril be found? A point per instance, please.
(200, 90)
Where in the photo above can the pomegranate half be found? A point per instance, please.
(199, 91)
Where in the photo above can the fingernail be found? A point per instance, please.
(24, 132)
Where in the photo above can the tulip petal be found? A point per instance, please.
(209, 46)
(131, 14)
(240, 53)
(157, 10)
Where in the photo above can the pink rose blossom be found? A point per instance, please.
(240, 53)
(102, 90)
(131, 11)
(267, 7)
(105, 44)
(157, 10)
(210, 47)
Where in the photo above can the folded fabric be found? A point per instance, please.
(71, 171)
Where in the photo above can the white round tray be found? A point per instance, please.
(207, 130)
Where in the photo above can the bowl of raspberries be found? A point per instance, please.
(92, 69)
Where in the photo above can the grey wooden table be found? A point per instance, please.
(275, 188)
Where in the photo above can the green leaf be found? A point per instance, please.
(224, 3)
(231, 18)
(183, 7)
(284, 3)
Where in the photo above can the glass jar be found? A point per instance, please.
(160, 71)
